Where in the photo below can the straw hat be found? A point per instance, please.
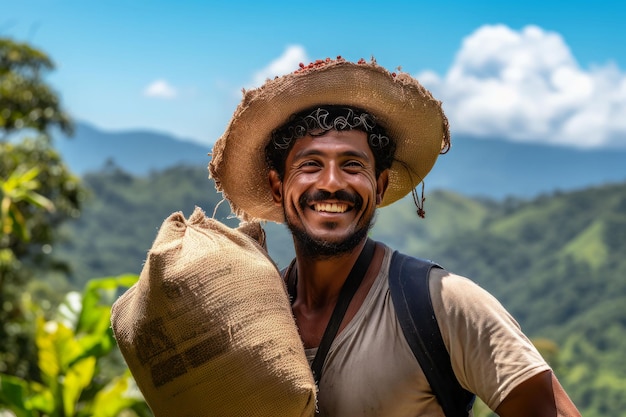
(405, 109)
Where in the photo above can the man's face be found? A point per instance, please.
(329, 191)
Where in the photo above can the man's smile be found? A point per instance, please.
(330, 207)
(333, 203)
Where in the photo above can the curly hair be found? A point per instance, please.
(319, 120)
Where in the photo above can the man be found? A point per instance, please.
(321, 149)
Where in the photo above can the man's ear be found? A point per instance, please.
(276, 185)
(381, 186)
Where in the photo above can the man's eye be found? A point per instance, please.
(353, 164)
(309, 164)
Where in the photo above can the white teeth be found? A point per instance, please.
(331, 207)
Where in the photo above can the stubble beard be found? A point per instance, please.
(317, 248)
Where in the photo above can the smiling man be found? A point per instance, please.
(332, 180)
(321, 149)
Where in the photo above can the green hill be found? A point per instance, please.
(556, 262)
(123, 213)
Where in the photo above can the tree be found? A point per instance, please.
(37, 194)
(26, 101)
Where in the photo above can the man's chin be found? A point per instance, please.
(324, 247)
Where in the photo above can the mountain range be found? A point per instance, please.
(473, 167)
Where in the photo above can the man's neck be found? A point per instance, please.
(320, 279)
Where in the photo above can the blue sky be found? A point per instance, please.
(540, 71)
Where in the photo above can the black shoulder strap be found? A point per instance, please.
(346, 294)
(408, 284)
(343, 301)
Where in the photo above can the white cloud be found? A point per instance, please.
(526, 85)
(160, 89)
(284, 64)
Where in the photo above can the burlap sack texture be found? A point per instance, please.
(208, 328)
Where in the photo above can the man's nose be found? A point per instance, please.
(332, 179)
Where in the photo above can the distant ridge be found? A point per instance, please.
(137, 152)
(498, 168)
(474, 167)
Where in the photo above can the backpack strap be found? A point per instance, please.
(408, 284)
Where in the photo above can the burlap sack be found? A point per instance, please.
(208, 328)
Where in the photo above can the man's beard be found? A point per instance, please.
(317, 248)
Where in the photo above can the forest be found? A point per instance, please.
(70, 245)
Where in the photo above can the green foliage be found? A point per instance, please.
(37, 193)
(26, 101)
(481, 410)
(447, 214)
(119, 224)
(71, 350)
(593, 355)
(20, 186)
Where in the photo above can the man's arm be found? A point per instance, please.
(539, 396)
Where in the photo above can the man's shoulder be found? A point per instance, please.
(403, 266)
(399, 256)
(441, 280)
